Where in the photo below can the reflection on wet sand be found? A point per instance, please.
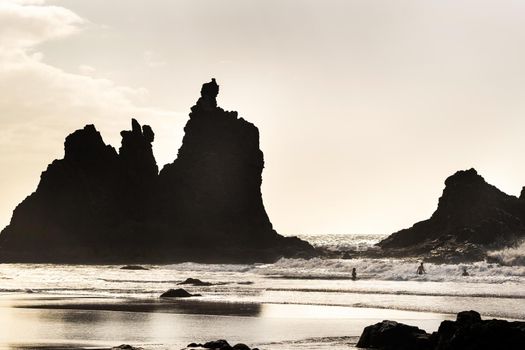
(50, 322)
(177, 306)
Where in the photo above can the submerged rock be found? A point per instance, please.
(195, 282)
(178, 293)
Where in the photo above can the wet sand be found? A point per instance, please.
(58, 322)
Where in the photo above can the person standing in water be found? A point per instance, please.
(354, 274)
(421, 269)
(465, 272)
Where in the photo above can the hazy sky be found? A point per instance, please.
(364, 107)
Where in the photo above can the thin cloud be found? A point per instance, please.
(41, 103)
(153, 59)
(25, 24)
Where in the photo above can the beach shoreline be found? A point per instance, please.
(73, 322)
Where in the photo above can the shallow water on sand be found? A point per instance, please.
(157, 324)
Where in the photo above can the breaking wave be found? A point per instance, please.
(509, 256)
(343, 243)
(391, 270)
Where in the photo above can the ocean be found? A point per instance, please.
(290, 304)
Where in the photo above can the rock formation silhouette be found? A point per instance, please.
(468, 331)
(97, 205)
(472, 216)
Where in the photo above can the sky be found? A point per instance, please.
(363, 107)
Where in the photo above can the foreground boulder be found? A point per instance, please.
(472, 216)
(97, 205)
(468, 332)
(391, 335)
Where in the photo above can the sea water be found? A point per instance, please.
(292, 303)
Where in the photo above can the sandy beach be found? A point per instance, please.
(61, 322)
(291, 304)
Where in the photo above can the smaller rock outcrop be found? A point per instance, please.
(472, 216)
(178, 293)
(468, 332)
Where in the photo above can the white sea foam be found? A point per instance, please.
(510, 256)
(210, 267)
(392, 270)
(342, 243)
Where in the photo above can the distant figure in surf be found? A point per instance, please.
(465, 272)
(421, 269)
(354, 274)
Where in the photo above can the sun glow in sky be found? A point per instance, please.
(364, 107)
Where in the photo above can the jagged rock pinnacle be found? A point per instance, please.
(208, 99)
(210, 89)
(97, 205)
(135, 127)
(464, 177)
(149, 136)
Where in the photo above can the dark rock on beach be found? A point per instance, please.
(220, 344)
(468, 332)
(178, 293)
(97, 205)
(133, 267)
(217, 344)
(126, 347)
(472, 217)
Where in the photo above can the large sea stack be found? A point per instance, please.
(472, 217)
(97, 205)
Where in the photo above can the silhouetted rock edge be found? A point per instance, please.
(472, 217)
(97, 205)
(469, 331)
